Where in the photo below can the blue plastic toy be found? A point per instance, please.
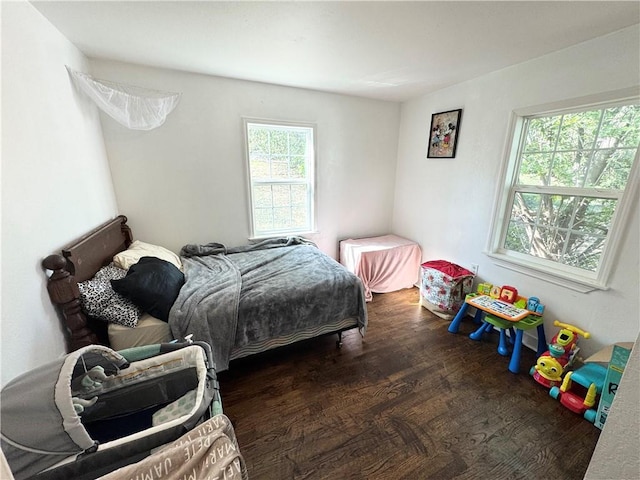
(581, 389)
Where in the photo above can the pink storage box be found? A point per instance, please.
(443, 287)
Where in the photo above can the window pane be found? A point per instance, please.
(548, 243)
(565, 170)
(260, 167)
(620, 127)
(299, 194)
(281, 195)
(579, 130)
(279, 142)
(297, 143)
(282, 217)
(526, 206)
(299, 217)
(258, 141)
(262, 196)
(542, 134)
(594, 215)
(298, 167)
(535, 169)
(279, 168)
(611, 169)
(556, 210)
(263, 218)
(584, 251)
(518, 236)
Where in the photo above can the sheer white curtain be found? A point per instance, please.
(134, 107)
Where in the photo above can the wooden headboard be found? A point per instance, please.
(78, 262)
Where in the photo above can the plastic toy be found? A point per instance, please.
(521, 302)
(534, 305)
(484, 288)
(91, 380)
(580, 390)
(508, 294)
(553, 363)
(80, 404)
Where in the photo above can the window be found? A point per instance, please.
(281, 175)
(567, 189)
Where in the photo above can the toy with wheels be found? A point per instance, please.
(580, 390)
(553, 363)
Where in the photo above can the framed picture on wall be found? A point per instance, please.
(443, 134)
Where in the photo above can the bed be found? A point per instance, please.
(242, 300)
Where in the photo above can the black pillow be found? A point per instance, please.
(152, 284)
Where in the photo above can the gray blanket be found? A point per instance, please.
(239, 296)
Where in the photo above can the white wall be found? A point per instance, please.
(186, 181)
(446, 204)
(56, 183)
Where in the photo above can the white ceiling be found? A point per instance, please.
(386, 50)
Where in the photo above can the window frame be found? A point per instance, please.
(310, 181)
(547, 270)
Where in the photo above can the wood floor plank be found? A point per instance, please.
(409, 401)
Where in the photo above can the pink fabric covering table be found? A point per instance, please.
(384, 264)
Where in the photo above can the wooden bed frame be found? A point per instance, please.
(79, 262)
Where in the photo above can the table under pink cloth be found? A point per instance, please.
(384, 264)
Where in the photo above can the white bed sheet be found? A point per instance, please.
(149, 331)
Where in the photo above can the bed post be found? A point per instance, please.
(64, 293)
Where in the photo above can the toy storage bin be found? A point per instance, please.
(443, 287)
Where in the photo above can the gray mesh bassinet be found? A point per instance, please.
(96, 409)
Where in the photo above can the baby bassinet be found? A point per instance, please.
(95, 409)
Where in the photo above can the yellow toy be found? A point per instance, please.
(550, 368)
(553, 363)
(484, 288)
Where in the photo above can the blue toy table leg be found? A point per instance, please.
(457, 320)
(514, 363)
(542, 340)
(477, 318)
(477, 335)
(502, 345)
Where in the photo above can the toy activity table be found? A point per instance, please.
(504, 316)
(491, 305)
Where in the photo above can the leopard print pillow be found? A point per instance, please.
(99, 300)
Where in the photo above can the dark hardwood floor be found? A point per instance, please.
(409, 401)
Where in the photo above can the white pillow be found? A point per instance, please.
(139, 249)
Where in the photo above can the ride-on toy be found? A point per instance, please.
(581, 389)
(563, 347)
